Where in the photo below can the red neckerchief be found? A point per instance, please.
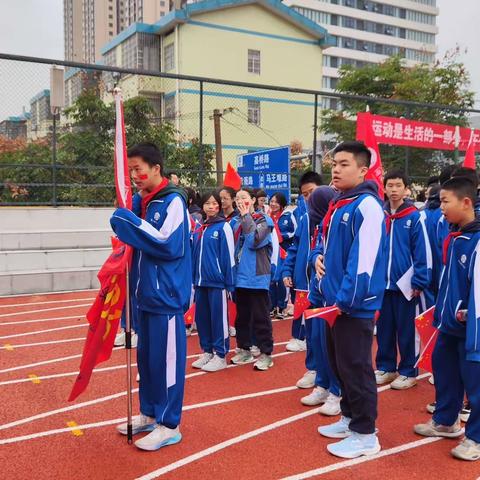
(255, 216)
(394, 216)
(229, 217)
(446, 244)
(313, 243)
(149, 197)
(276, 217)
(332, 207)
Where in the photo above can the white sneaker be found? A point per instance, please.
(215, 364)
(202, 360)
(119, 339)
(431, 380)
(308, 380)
(402, 382)
(140, 423)
(331, 407)
(296, 345)
(355, 445)
(264, 362)
(255, 351)
(160, 437)
(316, 397)
(382, 377)
(242, 357)
(336, 430)
(138, 377)
(232, 331)
(134, 340)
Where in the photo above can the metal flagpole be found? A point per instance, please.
(128, 351)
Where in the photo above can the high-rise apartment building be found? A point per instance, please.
(144, 11)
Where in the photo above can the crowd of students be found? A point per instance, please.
(381, 263)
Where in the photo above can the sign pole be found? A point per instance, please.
(128, 351)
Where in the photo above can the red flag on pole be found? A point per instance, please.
(232, 178)
(428, 337)
(329, 314)
(365, 134)
(469, 160)
(301, 303)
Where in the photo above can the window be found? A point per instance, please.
(169, 108)
(254, 61)
(169, 57)
(254, 112)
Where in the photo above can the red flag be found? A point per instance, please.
(122, 178)
(329, 314)
(232, 178)
(428, 337)
(189, 316)
(104, 315)
(365, 133)
(301, 303)
(232, 313)
(469, 160)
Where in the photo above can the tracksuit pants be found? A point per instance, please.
(455, 375)
(253, 315)
(161, 356)
(310, 361)
(350, 351)
(278, 295)
(211, 317)
(325, 377)
(396, 325)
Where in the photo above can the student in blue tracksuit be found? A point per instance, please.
(227, 196)
(351, 267)
(161, 283)
(285, 225)
(253, 263)
(409, 267)
(213, 264)
(456, 355)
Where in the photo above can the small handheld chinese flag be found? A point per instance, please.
(301, 303)
(469, 160)
(232, 178)
(428, 337)
(189, 316)
(329, 314)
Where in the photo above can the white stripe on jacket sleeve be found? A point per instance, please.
(175, 217)
(227, 230)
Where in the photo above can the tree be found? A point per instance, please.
(446, 83)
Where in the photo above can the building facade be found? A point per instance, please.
(14, 127)
(40, 121)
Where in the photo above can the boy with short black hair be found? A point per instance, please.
(409, 268)
(456, 356)
(350, 264)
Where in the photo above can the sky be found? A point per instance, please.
(35, 28)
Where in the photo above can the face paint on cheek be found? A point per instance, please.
(143, 177)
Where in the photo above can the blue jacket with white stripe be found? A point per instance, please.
(408, 247)
(213, 250)
(354, 255)
(161, 275)
(460, 290)
(287, 224)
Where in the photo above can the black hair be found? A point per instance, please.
(470, 173)
(310, 177)
(251, 192)
(231, 191)
(433, 180)
(149, 153)
(204, 198)
(394, 174)
(434, 189)
(172, 173)
(281, 199)
(360, 152)
(421, 196)
(258, 192)
(192, 195)
(461, 187)
(446, 173)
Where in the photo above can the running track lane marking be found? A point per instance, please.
(33, 378)
(10, 347)
(19, 295)
(37, 332)
(119, 420)
(75, 429)
(45, 310)
(356, 461)
(11, 305)
(21, 322)
(103, 399)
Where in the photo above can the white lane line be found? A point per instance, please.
(52, 342)
(13, 305)
(55, 319)
(45, 310)
(118, 420)
(226, 444)
(37, 332)
(61, 292)
(101, 399)
(356, 461)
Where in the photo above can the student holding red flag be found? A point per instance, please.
(456, 356)
(161, 278)
(409, 273)
(350, 263)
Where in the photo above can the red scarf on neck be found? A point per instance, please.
(402, 214)
(446, 244)
(276, 217)
(149, 197)
(332, 207)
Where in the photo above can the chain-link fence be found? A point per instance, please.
(67, 159)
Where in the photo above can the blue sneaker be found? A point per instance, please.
(160, 437)
(336, 430)
(355, 446)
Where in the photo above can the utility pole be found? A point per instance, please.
(218, 146)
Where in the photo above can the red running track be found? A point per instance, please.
(237, 423)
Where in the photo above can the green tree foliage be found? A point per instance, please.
(444, 83)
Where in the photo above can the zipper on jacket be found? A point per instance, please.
(138, 280)
(200, 262)
(448, 284)
(156, 276)
(390, 254)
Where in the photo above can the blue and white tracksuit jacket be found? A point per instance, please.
(408, 250)
(161, 283)
(213, 277)
(456, 356)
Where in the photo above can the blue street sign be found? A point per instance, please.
(266, 169)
